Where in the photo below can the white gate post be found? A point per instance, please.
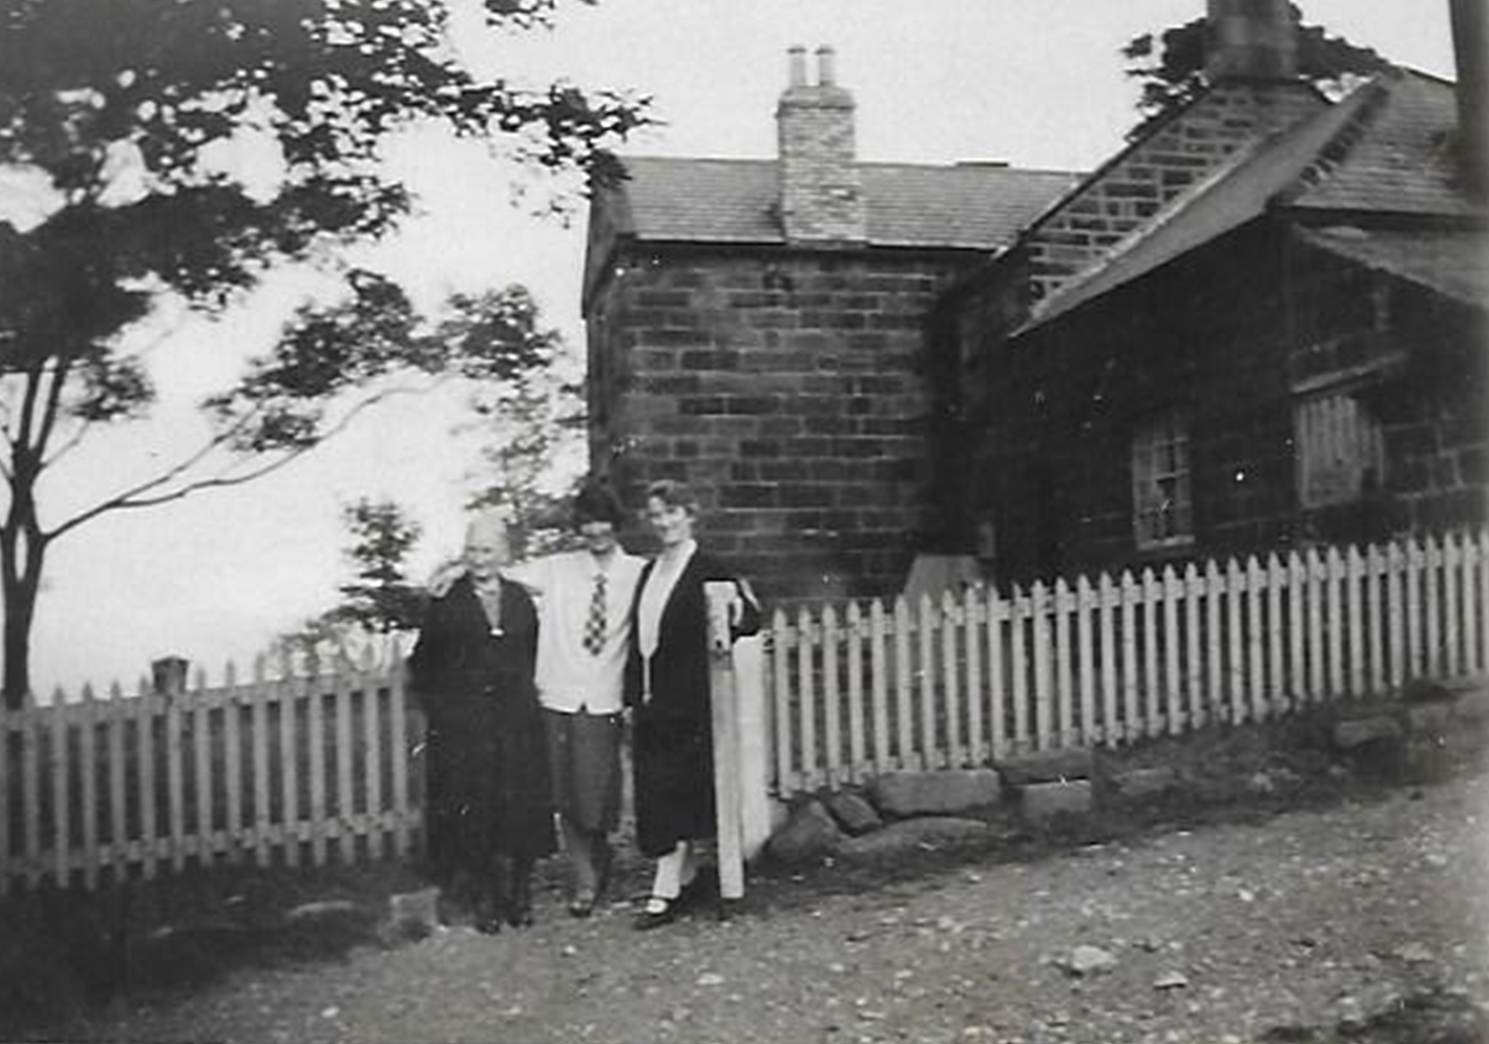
(726, 746)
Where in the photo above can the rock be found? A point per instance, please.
(1171, 980)
(910, 835)
(1086, 960)
(1146, 782)
(412, 915)
(905, 794)
(1413, 953)
(1429, 719)
(853, 812)
(1423, 690)
(1048, 766)
(1041, 802)
(322, 910)
(710, 979)
(808, 835)
(1471, 705)
(1356, 732)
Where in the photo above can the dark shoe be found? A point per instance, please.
(583, 904)
(649, 919)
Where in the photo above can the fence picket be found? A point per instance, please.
(1481, 636)
(201, 736)
(1039, 650)
(1194, 664)
(343, 822)
(1063, 732)
(61, 828)
(1276, 673)
(974, 607)
(780, 651)
(118, 787)
(1297, 633)
(831, 698)
(857, 744)
(260, 736)
(1473, 661)
(925, 689)
(149, 802)
(1374, 621)
(997, 612)
(400, 750)
(1172, 683)
(1235, 663)
(1131, 727)
(1431, 597)
(1354, 574)
(879, 667)
(1314, 599)
(372, 762)
(285, 694)
(232, 762)
(1395, 613)
(950, 618)
(1150, 593)
(88, 784)
(1107, 604)
(1210, 707)
(904, 724)
(805, 639)
(1452, 557)
(1334, 628)
(1255, 640)
(1019, 677)
(1416, 658)
(1085, 607)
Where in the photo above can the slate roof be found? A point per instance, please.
(1455, 263)
(1383, 150)
(966, 206)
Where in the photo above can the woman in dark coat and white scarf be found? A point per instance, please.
(488, 805)
(667, 687)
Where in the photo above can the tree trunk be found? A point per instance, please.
(19, 583)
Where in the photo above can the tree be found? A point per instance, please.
(122, 110)
(1171, 68)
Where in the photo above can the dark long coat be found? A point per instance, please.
(487, 770)
(673, 731)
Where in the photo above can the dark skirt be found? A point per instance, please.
(673, 775)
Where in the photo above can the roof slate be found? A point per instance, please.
(1455, 263)
(969, 206)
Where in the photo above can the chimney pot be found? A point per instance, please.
(796, 65)
(826, 75)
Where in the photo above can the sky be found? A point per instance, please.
(1037, 83)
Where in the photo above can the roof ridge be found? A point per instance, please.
(1368, 100)
(953, 165)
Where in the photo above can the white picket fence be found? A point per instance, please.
(858, 689)
(284, 770)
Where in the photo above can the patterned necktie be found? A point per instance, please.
(594, 627)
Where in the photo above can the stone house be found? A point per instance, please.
(1281, 344)
(1259, 323)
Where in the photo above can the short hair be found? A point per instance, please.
(674, 494)
(597, 502)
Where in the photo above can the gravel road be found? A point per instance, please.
(1368, 920)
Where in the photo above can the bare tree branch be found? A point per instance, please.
(139, 496)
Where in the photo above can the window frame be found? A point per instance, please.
(1165, 431)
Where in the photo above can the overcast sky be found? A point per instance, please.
(1037, 83)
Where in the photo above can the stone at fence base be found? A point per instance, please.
(1356, 732)
(1041, 802)
(1429, 719)
(1146, 782)
(1048, 766)
(853, 812)
(904, 794)
(908, 836)
(1472, 704)
(322, 910)
(411, 915)
(808, 835)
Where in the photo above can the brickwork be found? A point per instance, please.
(821, 187)
(787, 387)
(1133, 187)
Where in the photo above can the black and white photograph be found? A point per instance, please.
(694, 522)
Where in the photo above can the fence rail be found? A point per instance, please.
(281, 770)
(861, 688)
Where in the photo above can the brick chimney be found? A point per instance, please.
(1470, 48)
(1250, 40)
(821, 187)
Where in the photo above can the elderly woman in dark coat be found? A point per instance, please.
(488, 811)
(667, 687)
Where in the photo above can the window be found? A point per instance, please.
(1339, 449)
(1161, 513)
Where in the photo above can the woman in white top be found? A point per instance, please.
(667, 687)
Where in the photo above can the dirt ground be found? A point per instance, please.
(1363, 918)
